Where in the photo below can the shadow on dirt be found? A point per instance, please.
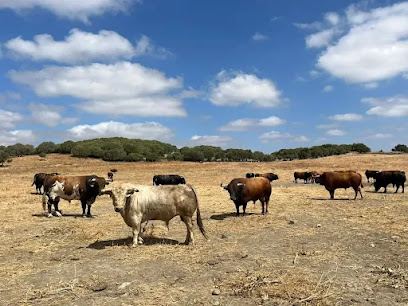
(100, 245)
(382, 192)
(224, 216)
(335, 199)
(64, 215)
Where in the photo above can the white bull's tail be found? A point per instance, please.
(199, 220)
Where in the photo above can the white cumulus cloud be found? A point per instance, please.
(147, 130)
(346, 117)
(245, 124)
(258, 37)
(73, 9)
(211, 140)
(8, 120)
(327, 126)
(17, 136)
(275, 135)
(49, 115)
(396, 106)
(232, 89)
(81, 47)
(381, 136)
(335, 132)
(119, 89)
(365, 45)
(328, 88)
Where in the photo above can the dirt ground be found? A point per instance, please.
(308, 250)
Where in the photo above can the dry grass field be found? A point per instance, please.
(308, 250)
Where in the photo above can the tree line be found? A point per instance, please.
(133, 150)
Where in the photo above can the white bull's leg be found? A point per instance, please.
(190, 234)
(136, 229)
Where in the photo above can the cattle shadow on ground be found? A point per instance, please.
(382, 192)
(42, 215)
(224, 216)
(102, 244)
(335, 199)
(34, 193)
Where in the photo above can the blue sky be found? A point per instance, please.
(260, 75)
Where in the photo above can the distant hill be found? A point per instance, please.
(133, 150)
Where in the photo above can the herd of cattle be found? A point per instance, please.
(170, 196)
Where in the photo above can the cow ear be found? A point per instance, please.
(131, 191)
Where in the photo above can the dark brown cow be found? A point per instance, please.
(110, 176)
(83, 188)
(39, 179)
(340, 179)
(243, 190)
(305, 176)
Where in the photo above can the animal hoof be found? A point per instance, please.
(89, 216)
(83, 216)
(49, 215)
(58, 214)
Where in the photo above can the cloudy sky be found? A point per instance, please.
(258, 75)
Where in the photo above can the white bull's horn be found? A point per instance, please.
(240, 184)
(103, 191)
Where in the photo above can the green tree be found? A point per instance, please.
(400, 148)
(4, 156)
(66, 147)
(152, 157)
(135, 157)
(81, 151)
(116, 154)
(360, 148)
(192, 154)
(42, 155)
(46, 147)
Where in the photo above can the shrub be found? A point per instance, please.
(135, 157)
(400, 148)
(116, 154)
(4, 156)
(81, 151)
(46, 147)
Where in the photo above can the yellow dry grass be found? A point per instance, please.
(308, 250)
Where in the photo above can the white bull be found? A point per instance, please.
(141, 203)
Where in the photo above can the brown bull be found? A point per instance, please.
(341, 179)
(305, 176)
(243, 190)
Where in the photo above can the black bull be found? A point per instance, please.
(170, 179)
(385, 178)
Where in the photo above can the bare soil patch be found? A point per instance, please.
(308, 250)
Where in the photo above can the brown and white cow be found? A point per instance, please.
(82, 188)
(140, 203)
